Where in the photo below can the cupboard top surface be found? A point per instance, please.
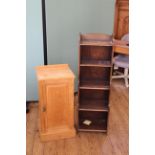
(59, 71)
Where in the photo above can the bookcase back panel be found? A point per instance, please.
(96, 53)
(98, 120)
(90, 94)
(94, 74)
(93, 115)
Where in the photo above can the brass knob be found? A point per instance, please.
(44, 109)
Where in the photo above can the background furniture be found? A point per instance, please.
(121, 21)
(120, 48)
(95, 62)
(121, 26)
(121, 44)
(56, 96)
(122, 61)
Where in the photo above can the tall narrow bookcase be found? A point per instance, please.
(95, 62)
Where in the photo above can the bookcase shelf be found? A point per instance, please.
(94, 77)
(95, 62)
(102, 55)
(93, 100)
(93, 105)
(98, 121)
(90, 84)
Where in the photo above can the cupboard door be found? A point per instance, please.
(58, 107)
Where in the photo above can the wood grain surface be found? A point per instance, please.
(115, 142)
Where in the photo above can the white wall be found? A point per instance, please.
(34, 46)
(66, 19)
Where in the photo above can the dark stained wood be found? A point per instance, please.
(94, 94)
(96, 126)
(95, 75)
(98, 119)
(95, 62)
(90, 84)
(96, 54)
(94, 100)
(93, 105)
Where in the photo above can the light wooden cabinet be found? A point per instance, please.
(56, 99)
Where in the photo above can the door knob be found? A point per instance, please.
(44, 109)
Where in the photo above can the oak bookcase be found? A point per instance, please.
(95, 62)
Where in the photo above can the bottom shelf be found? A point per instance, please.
(96, 125)
(98, 121)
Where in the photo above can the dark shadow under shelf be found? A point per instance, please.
(104, 85)
(93, 105)
(99, 125)
(94, 77)
(98, 121)
(96, 63)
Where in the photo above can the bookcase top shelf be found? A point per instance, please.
(94, 39)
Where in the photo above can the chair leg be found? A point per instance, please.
(126, 70)
(125, 76)
(117, 74)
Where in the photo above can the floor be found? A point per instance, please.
(113, 143)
